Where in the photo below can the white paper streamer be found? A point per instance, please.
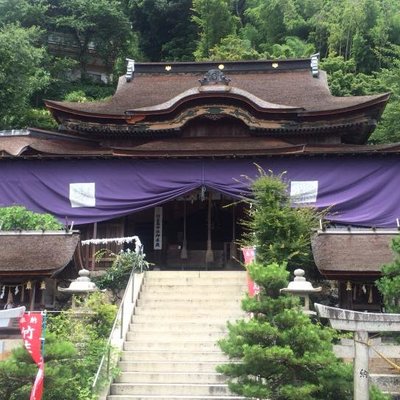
(121, 240)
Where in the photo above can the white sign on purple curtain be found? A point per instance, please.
(82, 194)
(303, 192)
(158, 211)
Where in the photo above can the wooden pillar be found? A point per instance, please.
(232, 250)
(33, 295)
(93, 261)
(209, 252)
(184, 254)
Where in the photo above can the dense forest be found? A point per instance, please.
(46, 45)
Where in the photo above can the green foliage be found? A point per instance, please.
(283, 354)
(116, 277)
(90, 329)
(389, 283)
(215, 21)
(376, 394)
(19, 218)
(21, 71)
(94, 23)
(165, 29)
(293, 47)
(280, 353)
(279, 231)
(38, 118)
(61, 358)
(233, 48)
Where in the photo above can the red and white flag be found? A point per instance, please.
(30, 325)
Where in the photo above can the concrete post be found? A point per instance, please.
(361, 367)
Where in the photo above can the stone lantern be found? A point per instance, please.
(302, 288)
(80, 286)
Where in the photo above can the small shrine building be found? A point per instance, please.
(168, 156)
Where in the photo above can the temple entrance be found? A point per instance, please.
(199, 230)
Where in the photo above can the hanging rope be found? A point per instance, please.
(390, 362)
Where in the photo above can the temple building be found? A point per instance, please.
(171, 154)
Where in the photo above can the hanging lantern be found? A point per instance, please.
(29, 285)
(348, 286)
(42, 285)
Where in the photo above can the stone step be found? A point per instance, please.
(148, 355)
(185, 309)
(177, 377)
(190, 296)
(178, 326)
(175, 336)
(388, 383)
(171, 349)
(179, 366)
(163, 288)
(170, 389)
(196, 281)
(195, 274)
(189, 318)
(155, 397)
(179, 302)
(210, 345)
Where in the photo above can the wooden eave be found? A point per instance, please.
(261, 121)
(378, 102)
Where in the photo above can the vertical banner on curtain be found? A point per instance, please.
(249, 255)
(158, 217)
(30, 325)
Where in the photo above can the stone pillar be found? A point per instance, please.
(361, 361)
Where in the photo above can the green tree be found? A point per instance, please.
(27, 13)
(388, 130)
(21, 71)
(280, 353)
(165, 28)
(389, 283)
(215, 21)
(18, 373)
(97, 26)
(233, 48)
(280, 232)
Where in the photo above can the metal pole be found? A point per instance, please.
(122, 321)
(361, 358)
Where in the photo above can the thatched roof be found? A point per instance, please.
(288, 89)
(353, 253)
(36, 253)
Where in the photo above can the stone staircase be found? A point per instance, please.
(170, 351)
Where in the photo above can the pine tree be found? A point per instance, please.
(280, 353)
(389, 283)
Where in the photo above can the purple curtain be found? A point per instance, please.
(359, 190)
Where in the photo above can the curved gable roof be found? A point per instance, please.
(290, 88)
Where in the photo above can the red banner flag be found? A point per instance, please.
(249, 255)
(37, 389)
(30, 325)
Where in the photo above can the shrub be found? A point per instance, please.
(19, 218)
(117, 276)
